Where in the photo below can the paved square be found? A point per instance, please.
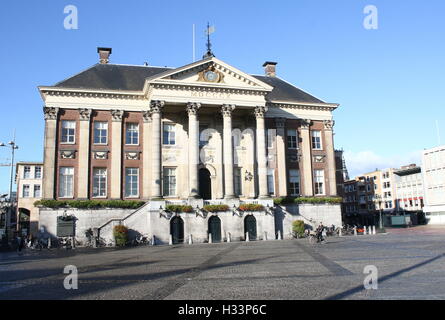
(410, 265)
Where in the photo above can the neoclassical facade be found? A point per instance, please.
(205, 130)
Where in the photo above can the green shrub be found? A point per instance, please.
(298, 228)
(283, 200)
(318, 200)
(90, 204)
(179, 208)
(120, 233)
(216, 207)
(251, 207)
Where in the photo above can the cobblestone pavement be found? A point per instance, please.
(410, 264)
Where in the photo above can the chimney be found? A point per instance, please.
(104, 55)
(269, 68)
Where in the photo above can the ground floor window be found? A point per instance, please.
(66, 182)
(132, 182)
(238, 185)
(319, 182)
(99, 182)
(169, 182)
(294, 182)
(270, 181)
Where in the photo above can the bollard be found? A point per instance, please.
(210, 238)
(340, 234)
(364, 230)
(228, 237)
(373, 230)
(247, 237)
(279, 235)
(355, 231)
(190, 239)
(265, 236)
(170, 240)
(49, 243)
(153, 240)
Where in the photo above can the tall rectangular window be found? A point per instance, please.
(132, 182)
(68, 131)
(168, 134)
(316, 140)
(270, 181)
(169, 181)
(237, 182)
(319, 182)
(99, 182)
(292, 139)
(132, 134)
(66, 181)
(37, 193)
(100, 132)
(25, 193)
(26, 172)
(37, 172)
(294, 182)
(270, 138)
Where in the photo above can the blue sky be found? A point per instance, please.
(389, 81)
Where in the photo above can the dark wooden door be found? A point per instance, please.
(205, 185)
(215, 228)
(177, 230)
(250, 227)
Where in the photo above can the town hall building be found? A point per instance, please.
(199, 134)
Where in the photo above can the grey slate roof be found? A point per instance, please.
(132, 78)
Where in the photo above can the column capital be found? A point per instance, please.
(50, 113)
(85, 114)
(305, 123)
(192, 108)
(280, 122)
(146, 115)
(260, 111)
(117, 115)
(156, 106)
(227, 110)
(328, 124)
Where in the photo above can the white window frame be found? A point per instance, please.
(167, 180)
(98, 132)
(28, 188)
(100, 178)
(40, 191)
(66, 182)
(294, 182)
(68, 132)
(316, 140)
(39, 171)
(292, 140)
(132, 133)
(27, 172)
(131, 177)
(167, 134)
(271, 181)
(319, 182)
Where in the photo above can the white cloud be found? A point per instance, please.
(367, 161)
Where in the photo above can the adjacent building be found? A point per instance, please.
(29, 178)
(433, 168)
(409, 188)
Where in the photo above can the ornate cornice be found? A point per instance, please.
(85, 114)
(260, 111)
(50, 113)
(227, 109)
(117, 115)
(328, 124)
(146, 115)
(156, 106)
(301, 106)
(208, 88)
(81, 94)
(192, 108)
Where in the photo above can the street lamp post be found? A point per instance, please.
(379, 200)
(13, 146)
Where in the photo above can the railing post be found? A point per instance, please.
(210, 238)
(247, 237)
(190, 239)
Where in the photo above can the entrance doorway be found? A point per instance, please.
(215, 228)
(250, 227)
(177, 230)
(205, 184)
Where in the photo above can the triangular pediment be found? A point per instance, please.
(212, 72)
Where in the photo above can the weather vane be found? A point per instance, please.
(209, 31)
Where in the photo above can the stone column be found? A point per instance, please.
(146, 154)
(260, 111)
(281, 156)
(226, 111)
(83, 154)
(156, 148)
(116, 154)
(308, 189)
(330, 155)
(193, 135)
(49, 165)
